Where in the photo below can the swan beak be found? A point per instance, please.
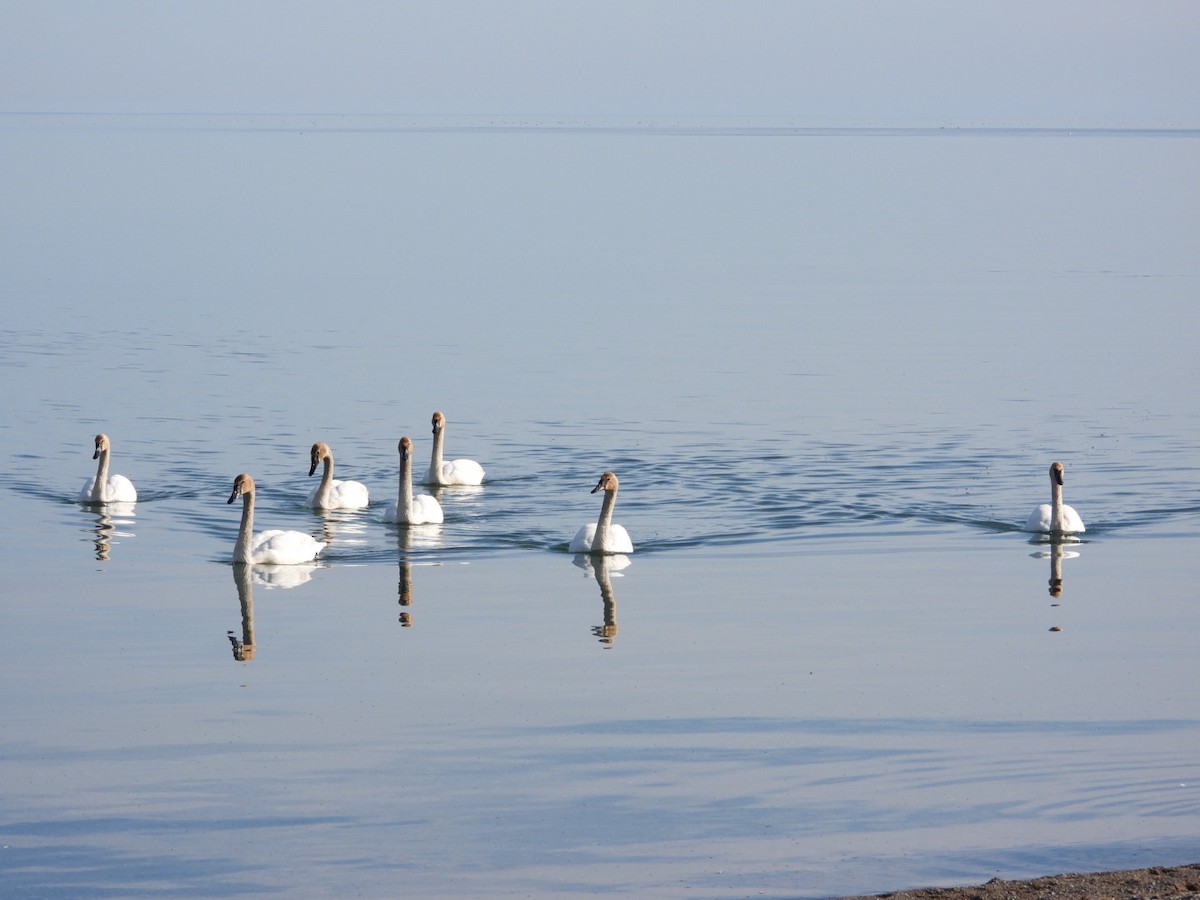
(313, 467)
(233, 496)
(598, 486)
(96, 455)
(1058, 476)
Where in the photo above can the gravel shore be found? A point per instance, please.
(1158, 883)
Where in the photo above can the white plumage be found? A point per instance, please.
(105, 488)
(455, 471)
(267, 548)
(407, 509)
(1055, 517)
(602, 536)
(331, 493)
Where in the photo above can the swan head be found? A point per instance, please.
(607, 482)
(320, 450)
(101, 445)
(405, 448)
(439, 422)
(1056, 473)
(242, 485)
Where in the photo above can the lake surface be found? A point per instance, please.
(831, 368)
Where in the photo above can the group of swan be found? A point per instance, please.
(277, 547)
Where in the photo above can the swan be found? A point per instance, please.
(105, 488)
(268, 548)
(456, 471)
(331, 493)
(602, 536)
(1055, 517)
(407, 509)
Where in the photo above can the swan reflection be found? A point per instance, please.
(1057, 553)
(245, 576)
(109, 518)
(410, 536)
(603, 568)
(243, 649)
(342, 526)
(404, 591)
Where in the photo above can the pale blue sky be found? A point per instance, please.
(1110, 62)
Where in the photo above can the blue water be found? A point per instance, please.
(831, 371)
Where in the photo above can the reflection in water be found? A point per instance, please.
(108, 517)
(243, 649)
(602, 568)
(245, 576)
(410, 536)
(404, 590)
(343, 526)
(1057, 554)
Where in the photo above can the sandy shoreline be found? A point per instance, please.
(1175, 882)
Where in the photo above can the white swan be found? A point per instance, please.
(602, 536)
(456, 471)
(331, 493)
(105, 488)
(407, 509)
(267, 548)
(1055, 517)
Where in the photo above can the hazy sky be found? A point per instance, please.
(1079, 60)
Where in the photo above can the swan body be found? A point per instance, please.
(331, 493)
(268, 548)
(407, 509)
(455, 471)
(105, 488)
(1055, 517)
(602, 536)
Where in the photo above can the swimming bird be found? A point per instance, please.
(1055, 517)
(267, 548)
(407, 509)
(456, 471)
(331, 493)
(602, 536)
(105, 488)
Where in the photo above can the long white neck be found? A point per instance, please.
(600, 539)
(1056, 506)
(100, 488)
(326, 483)
(404, 500)
(241, 550)
(435, 461)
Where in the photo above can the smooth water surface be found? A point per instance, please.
(831, 370)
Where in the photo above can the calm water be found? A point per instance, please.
(831, 370)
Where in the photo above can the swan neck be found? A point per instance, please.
(404, 500)
(100, 488)
(435, 459)
(600, 541)
(241, 550)
(326, 482)
(1056, 506)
